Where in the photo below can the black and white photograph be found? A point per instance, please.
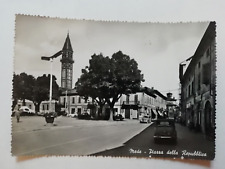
(115, 89)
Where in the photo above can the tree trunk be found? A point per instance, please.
(100, 111)
(111, 105)
(111, 114)
(37, 107)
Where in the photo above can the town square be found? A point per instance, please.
(113, 89)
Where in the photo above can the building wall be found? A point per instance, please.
(146, 103)
(45, 106)
(198, 86)
(74, 104)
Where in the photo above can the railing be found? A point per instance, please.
(131, 102)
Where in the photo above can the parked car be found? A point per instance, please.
(84, 116)
(145, 119)
(26, 111)
(72, 115)
(165, 131)
(40, 113)
(118, 117)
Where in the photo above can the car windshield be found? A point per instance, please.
(165, 123)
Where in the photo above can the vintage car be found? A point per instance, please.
(118, 117)
(85, 116)
(165, 131)
(145, 119)
(26, 111)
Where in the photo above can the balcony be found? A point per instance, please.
(130, 105)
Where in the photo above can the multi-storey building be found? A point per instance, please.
(73, 103)
(134, 105)
(146, 101)
(198, 85)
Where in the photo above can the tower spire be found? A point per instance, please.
(67, 44)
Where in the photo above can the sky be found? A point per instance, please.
(158, 48)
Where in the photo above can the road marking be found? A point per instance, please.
(45, 128)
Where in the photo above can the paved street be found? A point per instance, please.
(188, 142)
(70, 136)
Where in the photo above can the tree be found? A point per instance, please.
(90, 82)
(23, 85)
(106, 79)
(37, 90)
(124, 78)
(41, 90)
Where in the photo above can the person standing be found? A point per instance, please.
(17, 114)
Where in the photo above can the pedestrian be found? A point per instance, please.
(17, 114)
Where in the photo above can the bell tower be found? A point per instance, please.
(67, 65)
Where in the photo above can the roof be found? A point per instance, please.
(67, 44)
(160, 94)
(148, 91)
(209, 34)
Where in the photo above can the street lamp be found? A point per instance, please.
(66, 103)
(51, 63)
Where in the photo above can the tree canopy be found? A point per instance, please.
(23, 87)
(28, 87)
(41, 89)
(106, 79)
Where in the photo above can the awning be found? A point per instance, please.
(160, 113)
(154, 111)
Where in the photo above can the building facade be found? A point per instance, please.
(198, 85)
(73, 104)
(138, 104)
(130, 106)
(44, 106)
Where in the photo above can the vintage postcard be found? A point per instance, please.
(116, 89)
